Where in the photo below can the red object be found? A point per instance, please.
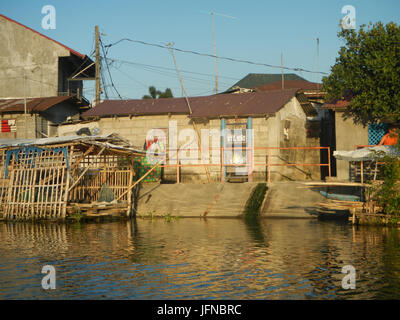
(390, 139)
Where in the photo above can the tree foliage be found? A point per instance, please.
(156, 94)
(368, 72)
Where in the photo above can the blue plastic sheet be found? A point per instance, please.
(32, 150)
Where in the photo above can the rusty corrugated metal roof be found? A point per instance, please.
(239, 104)
(300, 84)
(340, 104)
(32, 104)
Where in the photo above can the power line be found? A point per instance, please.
(108, 69)
(213, 56)
(165, 72)
(166, 68)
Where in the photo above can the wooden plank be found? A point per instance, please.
(87, 168)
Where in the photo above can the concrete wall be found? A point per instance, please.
(60, 112)
(24, 53)
(267, 133)
(40, 125)
(26, 126)
(271, 133)
(348, 135)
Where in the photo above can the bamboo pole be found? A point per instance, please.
(144, 176)
(87, 168)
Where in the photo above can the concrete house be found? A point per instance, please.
(278, 118)
(33, 66)
(349, 136)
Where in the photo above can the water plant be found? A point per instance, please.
(168, 217)
(255, 200)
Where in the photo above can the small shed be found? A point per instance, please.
(51, 178)
(32, 118)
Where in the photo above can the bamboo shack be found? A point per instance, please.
(53, 178)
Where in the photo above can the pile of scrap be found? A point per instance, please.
(49, 178)
(337, 209)
(355, 209)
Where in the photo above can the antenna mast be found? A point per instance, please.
(215, 52)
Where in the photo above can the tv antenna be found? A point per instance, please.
(212, 13)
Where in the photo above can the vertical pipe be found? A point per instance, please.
(362, 171)
(269, 166)
(177, 166)
(223, 126)
(221, 166)
(249, 148)
(329, 161)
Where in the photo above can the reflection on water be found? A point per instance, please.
(199, 259)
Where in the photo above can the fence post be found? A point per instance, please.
(177, 166)
(329, 161)
(222, 162)
(269, 165)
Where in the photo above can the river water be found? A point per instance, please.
(199, 259)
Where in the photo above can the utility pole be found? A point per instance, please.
(283, 78)
(317, 61)
(97, 66)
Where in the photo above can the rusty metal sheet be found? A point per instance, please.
(236, 104)
(32, 104)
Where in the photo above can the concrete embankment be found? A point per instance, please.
(282, 200)
(291, 200)
(194, 200)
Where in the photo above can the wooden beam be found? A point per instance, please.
(144, 176)
(84, 171)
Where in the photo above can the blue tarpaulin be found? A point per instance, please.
(31, 150)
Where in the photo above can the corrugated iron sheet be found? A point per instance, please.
(290, 84)
(336, 104)
(240, 104)
(32, 104)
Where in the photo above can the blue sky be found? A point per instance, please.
(260, 31)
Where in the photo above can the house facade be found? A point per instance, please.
(348, 136)
(278, 121)
(37, 91)
(34, 65)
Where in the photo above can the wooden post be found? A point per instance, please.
(177, 166)
(329, 161)
(84, 171)
(222, 164)
(362, 171)
(144, 176)
(131, 174)
(269, 166)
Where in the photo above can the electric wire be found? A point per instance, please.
(212, 56)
